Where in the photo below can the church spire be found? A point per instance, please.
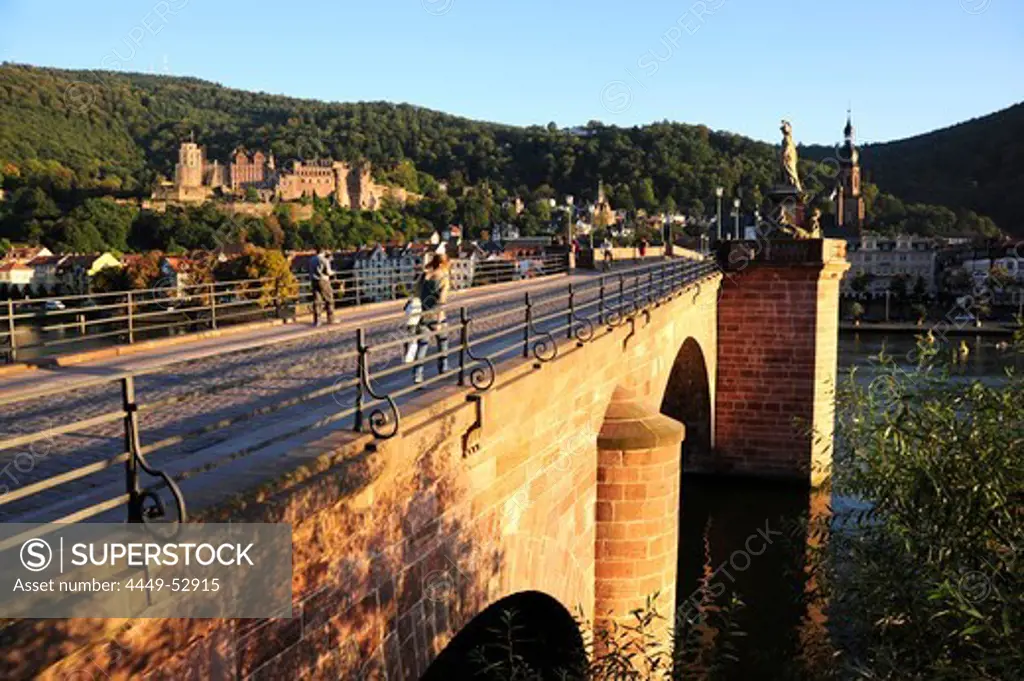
(850, 203)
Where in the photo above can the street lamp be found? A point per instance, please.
(568, 225)
(719, 192)
(736, 213)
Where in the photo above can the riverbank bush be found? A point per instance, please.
(925, 581)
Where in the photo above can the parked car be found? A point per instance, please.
(55, 306)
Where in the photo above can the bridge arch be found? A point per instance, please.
(545, 638)
(688, 399)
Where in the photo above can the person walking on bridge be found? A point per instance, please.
(432, 288)
(606, 248)
(320, 274)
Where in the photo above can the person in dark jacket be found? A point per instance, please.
(432, 288)
(320, 273)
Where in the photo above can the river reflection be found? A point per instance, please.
(985, 357)
(740, 537)
(720, 516)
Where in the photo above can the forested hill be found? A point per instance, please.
(977, 164)
(113, 132)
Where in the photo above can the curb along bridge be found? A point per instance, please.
(540, 472)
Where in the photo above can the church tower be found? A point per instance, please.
(849, 201)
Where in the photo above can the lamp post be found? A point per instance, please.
(719, 192)
(568, 228)
(736, 214)
(568, 225)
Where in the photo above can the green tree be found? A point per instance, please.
(270, 280)
(96, 225)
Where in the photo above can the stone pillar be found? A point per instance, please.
(637, 529)
(778, 330)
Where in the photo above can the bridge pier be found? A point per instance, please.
(637, 534)
(778, 325)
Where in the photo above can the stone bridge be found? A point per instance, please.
(555, 493)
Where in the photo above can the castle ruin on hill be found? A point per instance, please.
(197, 180)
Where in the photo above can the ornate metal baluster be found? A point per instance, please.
(527, 325)
(543, 349)
(378, 418)
(360, 364)
(579, 327)
(622, 296)
(571, 315)
(480, 377)
(463, 344)
(138, 512)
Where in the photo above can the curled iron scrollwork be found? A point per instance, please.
(384, 421)
(482, 376)
(583, 329)
(379, 418)
(544, 348)
(148, 506)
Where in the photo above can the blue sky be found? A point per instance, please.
(907, 66)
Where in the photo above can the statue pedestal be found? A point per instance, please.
(785, 206)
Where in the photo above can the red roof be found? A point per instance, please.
(41, 260)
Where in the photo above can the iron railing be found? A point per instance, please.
(35, 327)
(370, 399)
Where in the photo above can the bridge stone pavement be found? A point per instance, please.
(561, 483)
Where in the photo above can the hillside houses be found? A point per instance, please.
(37, 271)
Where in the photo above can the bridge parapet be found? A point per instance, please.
(735, 256)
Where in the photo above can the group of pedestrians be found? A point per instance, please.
(424, 311)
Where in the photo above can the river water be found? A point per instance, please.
(726, 524)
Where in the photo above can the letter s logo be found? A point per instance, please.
(36, 555)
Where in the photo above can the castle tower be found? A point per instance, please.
(850, 202)
(341, 185)
(189, 171)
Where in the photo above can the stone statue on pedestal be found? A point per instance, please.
(786, 203)
(789, 157)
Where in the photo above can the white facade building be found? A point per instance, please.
(884, 258)
(383, 274)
